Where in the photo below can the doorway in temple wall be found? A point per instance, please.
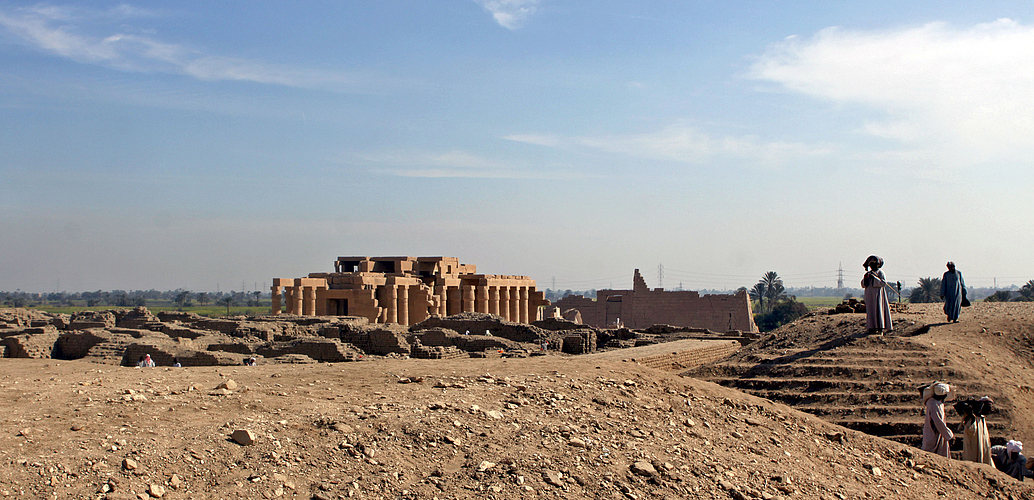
(337, 307)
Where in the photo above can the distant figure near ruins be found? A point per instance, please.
(406, 291)
(642, 307)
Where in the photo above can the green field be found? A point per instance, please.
(820, 302)
(212, 311)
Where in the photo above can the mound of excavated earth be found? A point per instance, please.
(828, 365)
(543, 427)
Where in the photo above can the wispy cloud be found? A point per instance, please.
(454, 164)
(510, 14)
(963, 91)
(62, 31)
(683, 143)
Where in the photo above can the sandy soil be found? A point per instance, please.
(550, 426)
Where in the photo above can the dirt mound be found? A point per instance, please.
(569, 427)
(827, 365)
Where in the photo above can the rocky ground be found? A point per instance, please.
(554, 426)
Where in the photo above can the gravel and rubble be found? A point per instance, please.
(548, 426)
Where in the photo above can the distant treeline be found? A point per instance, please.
(133, 298)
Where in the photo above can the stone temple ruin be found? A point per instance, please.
(642, 307)
(406, 291)
(123, 336)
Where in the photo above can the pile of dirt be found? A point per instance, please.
(828, 365)
(548, 426)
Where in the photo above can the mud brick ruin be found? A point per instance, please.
(642, 307)
(406, 291)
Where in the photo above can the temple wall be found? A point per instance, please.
(643, 307)
(405, 291)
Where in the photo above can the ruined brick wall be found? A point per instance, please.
(76, 344)
(643, 308)
(438, 352)
(327, 350)
(719, 313)
(384, 342)
(31, 343)
(585, 307)
(478, 323)
(691, 358)
(581, 342)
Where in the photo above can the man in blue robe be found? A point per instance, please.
(953, 290)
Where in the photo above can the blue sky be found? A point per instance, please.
(209, 145)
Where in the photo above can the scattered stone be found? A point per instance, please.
(643, 468)
(175, 482)
(228, 384)
(342, 427)
(836, 437)
(577, 442)
(485, 465)
(552, 477)
(243, 437)
(156, 490)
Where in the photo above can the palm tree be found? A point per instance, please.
(227, 301)
(929, 290)
(182, 298)
(1000, 296)
(774, 289)
(758, 293)
(1027, 290)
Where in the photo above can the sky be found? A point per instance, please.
(217, 145)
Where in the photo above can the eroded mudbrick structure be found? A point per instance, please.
(406, 290)
(642, 307)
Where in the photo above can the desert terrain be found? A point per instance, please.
(554, 426)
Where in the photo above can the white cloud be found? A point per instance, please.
(683, 143)
(59, 30)
(966, 91)
(510, 14)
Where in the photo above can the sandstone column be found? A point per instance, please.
(296, 296)
(309, 301)
(468, 298)
(523, 305)
(275, 307)
(515, 314)
(481, 305)
(493, 300)
(455, 302)
(504, 302)
(390, 301)
(403, 305)
(443, 300)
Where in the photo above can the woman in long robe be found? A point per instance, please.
(953, 288)
(877, 306)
